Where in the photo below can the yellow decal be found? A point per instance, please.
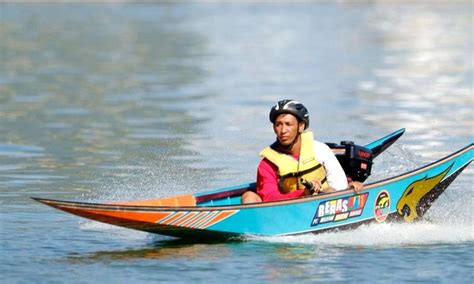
(413, 194)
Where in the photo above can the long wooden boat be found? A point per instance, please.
(219, 213)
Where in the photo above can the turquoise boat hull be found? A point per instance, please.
(403, 198)
(219, 213)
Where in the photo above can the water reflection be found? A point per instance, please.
(240, 259)
(165, 250)
(106, 94)
(424, 81)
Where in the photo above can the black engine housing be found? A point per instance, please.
(356, 160)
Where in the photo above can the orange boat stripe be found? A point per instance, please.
(192, 220)
(185, 218)
(205, 219)
(202, 219)
(173, 218)
(221, 216)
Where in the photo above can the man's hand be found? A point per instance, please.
(316, 186)
(356, 186)
(311, 187)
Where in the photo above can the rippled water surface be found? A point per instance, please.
(122, 101)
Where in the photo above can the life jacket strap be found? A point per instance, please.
(302, 173)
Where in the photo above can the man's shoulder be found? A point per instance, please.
(266, 166)
(322, 151)
(265, 163)
(320, 146)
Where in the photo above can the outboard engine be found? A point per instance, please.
(356, 160)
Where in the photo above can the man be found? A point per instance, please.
(296, 165)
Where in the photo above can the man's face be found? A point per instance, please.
(286, 128)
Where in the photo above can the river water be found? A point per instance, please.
(122, 101)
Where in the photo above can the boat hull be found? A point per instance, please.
(402, 198)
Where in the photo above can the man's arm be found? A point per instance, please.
(334, 173)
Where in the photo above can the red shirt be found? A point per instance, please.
(267, 183)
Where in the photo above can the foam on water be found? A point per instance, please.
(386, 235)
(448, 221)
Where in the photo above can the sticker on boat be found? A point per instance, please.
(382, 206)
(339, 209)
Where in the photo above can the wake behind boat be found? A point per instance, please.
(220, 214)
